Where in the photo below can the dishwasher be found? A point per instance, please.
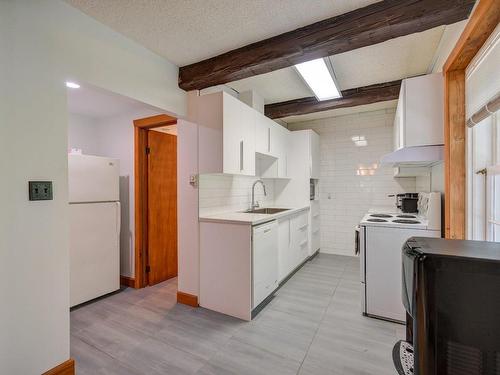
(264, 261)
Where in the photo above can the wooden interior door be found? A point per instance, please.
(162, 206)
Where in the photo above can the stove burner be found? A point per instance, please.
(377, 220)
(380, 215)
(407, 216)
(404, 221)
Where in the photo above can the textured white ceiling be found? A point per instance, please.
(397, 58)
(394, 59)
(98, 103)
(276, 86)
(187, 31)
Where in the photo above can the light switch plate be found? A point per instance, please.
(193, 180)
(40, 190)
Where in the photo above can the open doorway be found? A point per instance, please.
(101, 177)
(155, 165)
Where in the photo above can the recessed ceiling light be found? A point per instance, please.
(72, 85)
(319, 79)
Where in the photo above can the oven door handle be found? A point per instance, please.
(356, 240)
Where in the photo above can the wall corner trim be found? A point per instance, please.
(127, 281)
(65, 368)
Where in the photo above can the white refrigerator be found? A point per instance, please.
(94, 236)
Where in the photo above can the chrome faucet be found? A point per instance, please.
(256, 204)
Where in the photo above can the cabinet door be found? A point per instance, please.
(300, 244)
(275, 140)
(397, 128)
(265, 261)
(248, 129)
(315, 155)
(284, 245)
(282, 146)
(262, 134)
(423, 110)
(238, 137)
(314, 224)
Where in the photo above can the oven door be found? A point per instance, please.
(361, 249)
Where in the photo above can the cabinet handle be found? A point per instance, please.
(241, 155)
(303, 227)
(267, 230)
(286, 165)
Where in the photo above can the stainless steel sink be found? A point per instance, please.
(266, 210)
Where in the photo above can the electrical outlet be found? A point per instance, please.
(40, 190)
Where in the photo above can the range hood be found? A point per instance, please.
(414, 156)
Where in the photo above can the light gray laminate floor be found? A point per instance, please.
(312, 326)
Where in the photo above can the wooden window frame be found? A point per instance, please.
(481, 24)
(141, 128)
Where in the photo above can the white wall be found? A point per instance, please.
(437, 178)
(83, 133)
(225, 193)
(352, 180)
(187, 209)
(44, 43)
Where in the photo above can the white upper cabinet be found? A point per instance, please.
(231, 134)
(238, 137)
(419, 115)
(314, 152)
(263, 127)
(226, 133)
(280, 137)
(272, 141)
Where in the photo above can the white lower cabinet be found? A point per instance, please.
(241, 265)
(264, 261)
(284, 243)
(293, 245)
(314, 228)
(300, 236)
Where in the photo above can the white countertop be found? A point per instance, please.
(249, 218)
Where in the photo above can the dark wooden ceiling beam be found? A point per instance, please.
(350, 98)
(362, 27)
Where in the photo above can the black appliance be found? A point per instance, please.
(312, 189)
(407, 202)
(409, 205)
(451, 292)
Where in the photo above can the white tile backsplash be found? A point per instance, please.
(227, 193)
(352, 180)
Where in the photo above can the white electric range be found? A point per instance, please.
(380, 239)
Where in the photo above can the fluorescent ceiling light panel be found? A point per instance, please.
(319, 79)
(72, 85)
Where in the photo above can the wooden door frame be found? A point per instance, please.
(481, 24)
(141, 128)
